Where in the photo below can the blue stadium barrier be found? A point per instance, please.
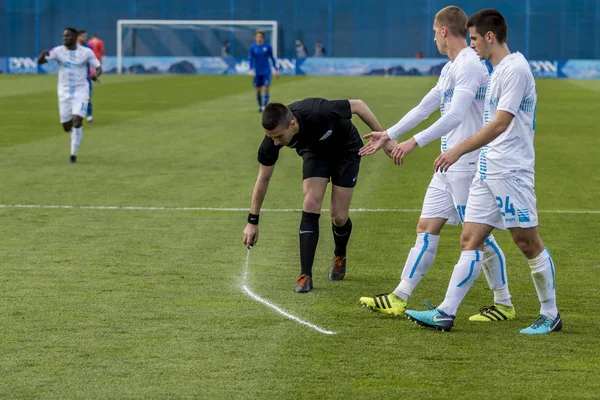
(575, 69)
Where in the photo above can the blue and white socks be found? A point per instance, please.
(464, 275)
(420, 258)
(76, 136)
(542, 272)
(494, 268)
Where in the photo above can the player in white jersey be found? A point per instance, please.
(73, 88)
(502, 194)
(459, 94)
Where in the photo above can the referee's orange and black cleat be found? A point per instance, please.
(304, 284)
(338, 269)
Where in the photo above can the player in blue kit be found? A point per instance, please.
(260, 68)
(82, 39)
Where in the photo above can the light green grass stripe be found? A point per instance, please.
(245, 209)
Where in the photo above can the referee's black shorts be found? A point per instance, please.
(341, 171)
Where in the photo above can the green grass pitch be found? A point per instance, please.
(146, 303)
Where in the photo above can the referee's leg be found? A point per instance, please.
(314, 192)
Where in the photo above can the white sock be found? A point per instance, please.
(464, 275)
(542, 272)
(417, 264)
(494, 268)
(76, 135)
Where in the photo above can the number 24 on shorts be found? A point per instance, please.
(508, 206)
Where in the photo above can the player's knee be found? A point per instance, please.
(77, 123)
(470, 241)
(530, 246)
(433, 227)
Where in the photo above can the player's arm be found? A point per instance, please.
(273, 61)
(94, 62)
(414, 117)
(251, 62)
(42, 58)
(98, 72)
(508, 105)
(45, 56)
(467, 86)
(483, 137)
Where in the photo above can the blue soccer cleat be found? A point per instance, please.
(432, 318)
(543, 325)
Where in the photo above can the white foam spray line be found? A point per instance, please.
(272, 306)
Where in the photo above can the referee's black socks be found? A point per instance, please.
(309, 236)
(341, 235)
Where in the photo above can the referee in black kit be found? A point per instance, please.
(323, 135)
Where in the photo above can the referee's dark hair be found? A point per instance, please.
(276, 114)
(71, 29)
(489, 20)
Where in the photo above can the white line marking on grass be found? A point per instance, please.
(244, 209)
(267, 303)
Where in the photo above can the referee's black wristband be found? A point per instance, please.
(252, 219)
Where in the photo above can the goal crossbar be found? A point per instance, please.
(141, 22)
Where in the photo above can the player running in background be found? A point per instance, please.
(81, 39)
(97, 46)
(260, 68)
(322, 134)
(502, 194)
(73, 90)
(459, 94)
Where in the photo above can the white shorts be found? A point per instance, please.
(503, 203)
(446, 196)
(74, 105)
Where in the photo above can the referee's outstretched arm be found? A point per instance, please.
(361, 109)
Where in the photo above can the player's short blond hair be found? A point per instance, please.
(259, 32)
(455, 19)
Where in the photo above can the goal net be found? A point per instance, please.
(193, 38)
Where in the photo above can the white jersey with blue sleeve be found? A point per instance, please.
(462, 85)
(511, 89)
(73, 70)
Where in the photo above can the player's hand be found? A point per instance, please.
(251, 73)
(46, 53)
(276, 74)
(250, 235)
(402, 150)
(445, 160)
(94, 78)
(378, 139)
(389, 146)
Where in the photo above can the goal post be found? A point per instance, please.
(189, 38)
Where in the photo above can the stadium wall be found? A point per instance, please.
(577, 69)
(540, 29)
